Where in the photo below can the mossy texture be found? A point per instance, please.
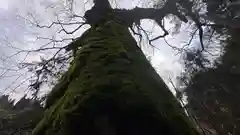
(111, 89)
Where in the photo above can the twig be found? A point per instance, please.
(71, 32)
(161, 36)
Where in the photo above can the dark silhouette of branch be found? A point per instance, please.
(137, 33)
(147, 36)
(180, 50)
(129, 17)
(161, 36)
(71, 32)
(195, 17)
(57, 23)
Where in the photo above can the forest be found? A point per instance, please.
(120, 67)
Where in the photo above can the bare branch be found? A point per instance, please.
(71, 32)
(147, 36)
(46, 48)
(161, 36)
(37, 24)
(75, 15)
(192, 37)
(137, 33)
(195, 17)
(180, 50)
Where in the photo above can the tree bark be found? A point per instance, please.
(112, 89)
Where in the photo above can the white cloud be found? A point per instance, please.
(4, 4)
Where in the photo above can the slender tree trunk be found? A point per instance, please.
(111, 89)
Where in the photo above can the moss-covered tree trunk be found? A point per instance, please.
(111, 89)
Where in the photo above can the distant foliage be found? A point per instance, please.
(19, 118)
(213, 92)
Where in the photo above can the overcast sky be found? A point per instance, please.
(16, 32)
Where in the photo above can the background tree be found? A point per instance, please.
(212, 92)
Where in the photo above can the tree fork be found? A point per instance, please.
(101, 7)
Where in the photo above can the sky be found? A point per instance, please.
(16, 34)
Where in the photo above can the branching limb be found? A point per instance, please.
(45, 68)
(71, 32)
(137, 33)
(179, 50)
(62, 24)
(137, 14)
(187, 5)
(161, 36)
(200, 33)
(147, 36)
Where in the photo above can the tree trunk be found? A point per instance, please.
(111, 89)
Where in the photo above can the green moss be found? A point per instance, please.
(111, 86)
